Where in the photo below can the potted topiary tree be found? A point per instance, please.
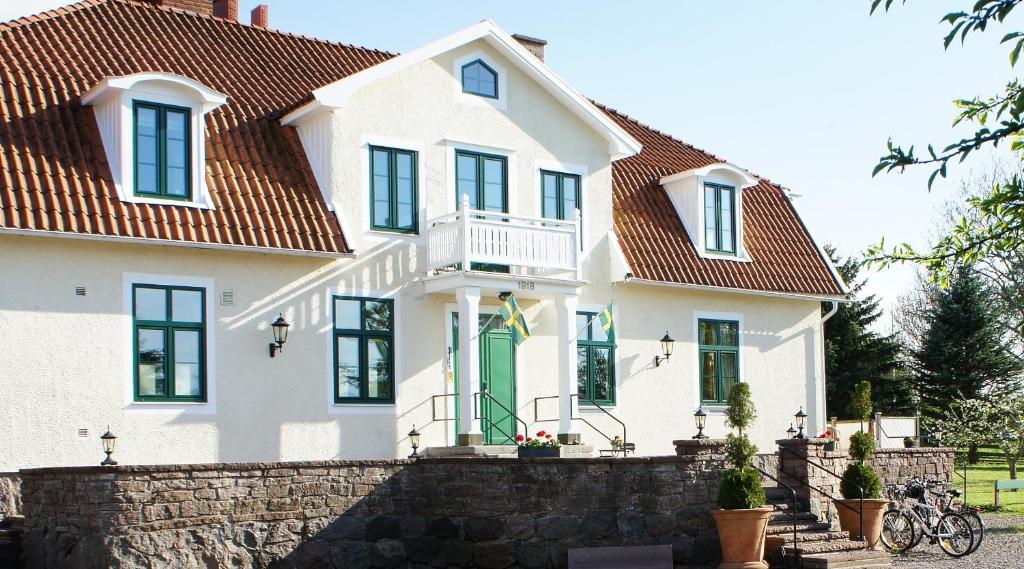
(742, 520)
(859, 476)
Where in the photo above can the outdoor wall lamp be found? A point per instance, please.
(503, 295)
(414, 439)
(109, 440)
(701, 418)
(280, 327)
(666, 348)
(791, 432)
(801, 421)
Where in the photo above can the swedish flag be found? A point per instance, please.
(608, 323)
(514, 320)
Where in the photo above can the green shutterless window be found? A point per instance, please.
(560, 196)
(162, 150)
(719, 219)
(719, 359)
(364, 355)
(595, 361)
(482, 177)
(479, 78)
(393, 203)
(169, 343)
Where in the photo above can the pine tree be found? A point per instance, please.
(855, 353)
(961, 353)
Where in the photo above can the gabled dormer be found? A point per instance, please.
(153, 130)
(709, 201)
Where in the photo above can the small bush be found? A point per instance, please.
(740, 413)
(860, 404)
(862, 475)
(862, 445)
(741, 490)
(739, 451)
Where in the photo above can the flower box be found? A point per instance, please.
(830, 446)
(539, 452)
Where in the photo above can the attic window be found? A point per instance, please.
(478, 78)
(720, 218)
(162, 144)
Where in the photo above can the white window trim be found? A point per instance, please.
(334, 408)
(451, 183)
(376, 236)
(501, 103)
(617, 373)
(113, 100)
(733, 316)
(209, 407)
(564, 168)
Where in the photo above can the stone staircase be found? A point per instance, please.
(10, 541)
(819, 545)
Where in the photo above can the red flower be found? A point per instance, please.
(528, 439)
(616, 437)
(519, 438)
(541, 433)
(547, 436)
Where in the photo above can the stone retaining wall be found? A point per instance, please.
(10, 494)
(898, 465)
(491, 513)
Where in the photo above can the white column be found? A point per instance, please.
(468, 299)
(567, 404)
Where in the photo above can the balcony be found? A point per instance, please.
(497, 242)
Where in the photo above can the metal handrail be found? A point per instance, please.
(860, 514)
(433, 407)
(478, 415)
(537, 419)
(792, 495)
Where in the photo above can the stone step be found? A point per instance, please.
(862, 559)
(788, 517)
(812, 536)
(830, 546)
(786, 527)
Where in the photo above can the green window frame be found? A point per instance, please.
(364, 349)
(484, 177)
(719, 359)
(162, 150)
(595, 361)
(393, 190)
(557, 201)
(481, 79)
(169, 343)
(720, 219)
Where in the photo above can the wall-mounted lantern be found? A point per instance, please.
(414, 440)
(801, 421)
(666, 348)
(280, 327)
(701, 419)
(109, 441)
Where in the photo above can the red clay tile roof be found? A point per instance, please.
(657, 247)
(55, 176)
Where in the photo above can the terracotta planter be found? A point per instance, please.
(742, 535)
(849, 521)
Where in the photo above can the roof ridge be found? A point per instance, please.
(683, 142)
(49, 14)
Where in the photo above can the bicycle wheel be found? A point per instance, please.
(977, 526)
(955, 536)
(897, 531)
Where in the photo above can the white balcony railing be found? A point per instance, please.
(528, 245)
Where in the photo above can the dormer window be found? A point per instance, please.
(478, 78)
(719, 218)
(162, 143)
(153, 128)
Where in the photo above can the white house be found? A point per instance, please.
(174, 180)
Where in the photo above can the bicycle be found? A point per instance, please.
(947, 501)
(904, 526)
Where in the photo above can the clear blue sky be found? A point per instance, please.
(802, 92)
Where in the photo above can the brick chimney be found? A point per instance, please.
(227, 9)
(260, 16)
(532, 45)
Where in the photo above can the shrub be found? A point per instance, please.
(739, 451)
(740, 412)
(741, 490)
(860, 404)
(862, 475)
(862, 445)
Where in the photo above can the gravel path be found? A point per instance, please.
(1003, 548)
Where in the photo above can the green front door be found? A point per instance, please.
(497, 376)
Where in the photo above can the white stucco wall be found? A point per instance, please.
(65, 359)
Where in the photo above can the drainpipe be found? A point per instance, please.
(821, 355)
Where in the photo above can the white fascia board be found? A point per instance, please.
(211, 99)
(751, 292)
(329, 97)
(704, 171)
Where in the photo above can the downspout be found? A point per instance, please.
(821, 355)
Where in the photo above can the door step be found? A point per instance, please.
(861, 559)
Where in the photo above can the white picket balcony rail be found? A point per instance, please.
(530, 246)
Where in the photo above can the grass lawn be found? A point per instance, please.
(981, 478)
